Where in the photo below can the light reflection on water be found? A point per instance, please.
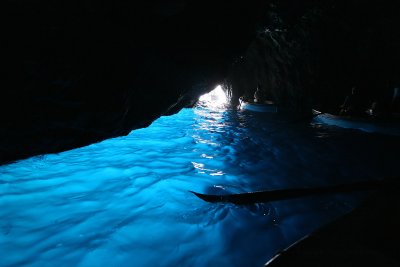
(125, 201)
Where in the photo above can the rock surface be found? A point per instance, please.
(78, 72)
(311, 53)
(368, 236)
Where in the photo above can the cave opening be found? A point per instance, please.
(217, 98)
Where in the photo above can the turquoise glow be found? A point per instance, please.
(125, 201)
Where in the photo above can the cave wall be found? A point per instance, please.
(311, 53)
(278, 67)
(78, 72)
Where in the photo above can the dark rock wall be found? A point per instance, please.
(277, 66)
(78, 72)
(311, 53)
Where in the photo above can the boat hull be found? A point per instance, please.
(269, 108)
(364, 124)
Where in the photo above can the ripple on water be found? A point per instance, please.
(126, 201)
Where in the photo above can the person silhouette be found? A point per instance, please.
(351, 104)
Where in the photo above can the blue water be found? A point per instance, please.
(125, 201)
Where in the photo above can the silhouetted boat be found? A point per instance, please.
(372, 125)
(258, 107)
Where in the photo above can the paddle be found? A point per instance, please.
(282, 194)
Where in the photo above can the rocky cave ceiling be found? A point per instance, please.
(78, 72)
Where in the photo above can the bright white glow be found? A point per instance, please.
(214, 99)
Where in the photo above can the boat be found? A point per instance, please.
(366, 124)
(267, 106)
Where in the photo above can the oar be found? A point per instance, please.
(282, 194)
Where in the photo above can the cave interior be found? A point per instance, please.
(79, 72)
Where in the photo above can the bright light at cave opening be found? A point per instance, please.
(214, 99)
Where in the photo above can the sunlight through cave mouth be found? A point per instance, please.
(216, 99)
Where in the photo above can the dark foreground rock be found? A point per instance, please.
(368, 236)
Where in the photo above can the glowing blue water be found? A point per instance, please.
(125, 201)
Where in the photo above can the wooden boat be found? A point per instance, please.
(371, 125)
(258, 107)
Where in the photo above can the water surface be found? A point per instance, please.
(125, 201)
